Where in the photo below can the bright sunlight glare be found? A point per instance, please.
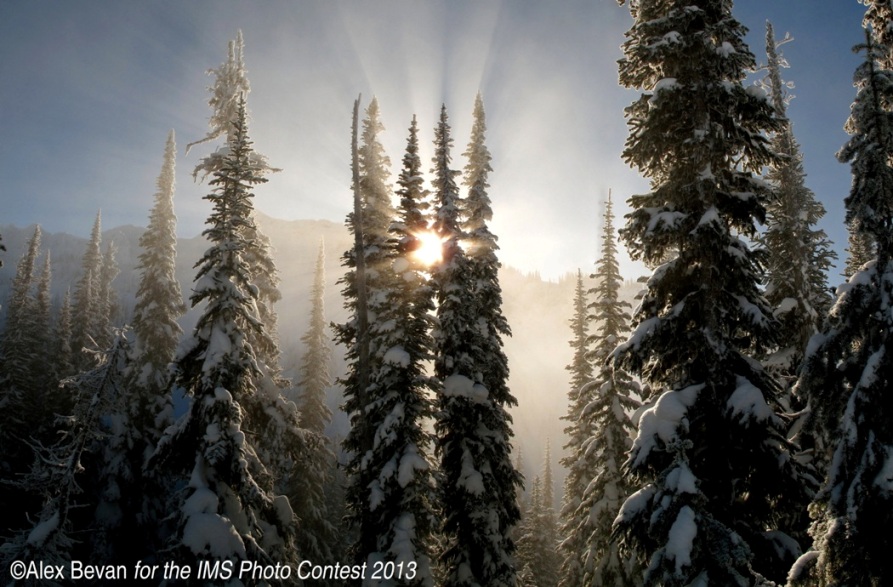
(430, 251)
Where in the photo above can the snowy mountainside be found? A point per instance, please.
(538, 312)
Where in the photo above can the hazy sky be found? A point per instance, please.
(90, 89)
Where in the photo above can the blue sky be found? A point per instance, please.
(90, 89)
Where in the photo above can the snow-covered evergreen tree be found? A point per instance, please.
(390, 490)
(159, 305)
(399, 405)
(227, 509)
(26, 416)
(578, 431)
(273, 421)
(140, 412)
(478, 483)
(64, 357)
(107, 298)
(311, 479)
(847, 374)
(799, 253)
(86, 307)
(315, 370)
(21, 339)
(536, 553)
(536, 549)
(860, 250)
(711, 454)
(58, 476)
(598, 558)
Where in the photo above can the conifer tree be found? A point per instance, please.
(86, 306)
(26, 417)
(42, 368)
(140, 412)
(536, 550)
(402, 491)
(315, 375)
(60, 474)
(860, 250)
(107, 298)
(579, 430)
(311, 479)
(478, 484)
(799, 253)
(227, 509)
(21, 339)
(272, 420)
(159, 305)
(711, 454)
(64, 357)
(612, 396)
(847, 375)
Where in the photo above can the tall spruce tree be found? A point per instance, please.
(612, 394)
(799, 253)
(86, 307)
(272, 421)
(315, 371)
(62, 335)
(26, 416)
(401, 492)
(578, 431)
(107, 299)
(847, 375)
(312, 478)
(536, 550)
(478, 483)
(159, 305)
(21, 338)
(390, 487)
(139, 413)
(227, 509)
(711, 454)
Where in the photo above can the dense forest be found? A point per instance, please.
(729, 427)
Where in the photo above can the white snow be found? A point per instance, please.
(725, 49)
(214, 535)
(711, 216)
(667, 83)
(663, 420)
(756, 92)
(785, 306)
(664, 84)
(409, 464)
(469, 477)
(40, 532)
(635, 503)
(457, 385)
(884, 479)
(681, 538)
(682, 480)
(202, 501)
(802, 565)
(669, 219)
(397, 355)
(869, 372)
(747, 401)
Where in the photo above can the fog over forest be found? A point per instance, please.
(538, 350)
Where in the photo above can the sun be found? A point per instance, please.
(430, 251)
